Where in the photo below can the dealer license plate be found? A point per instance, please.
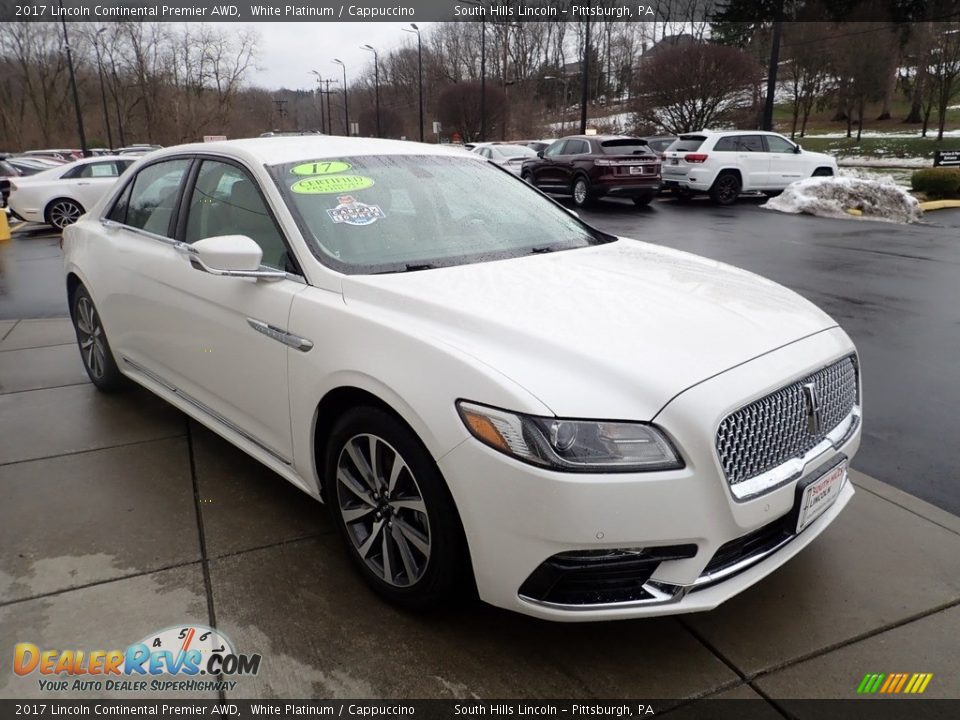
(636, 170)
(819, 494)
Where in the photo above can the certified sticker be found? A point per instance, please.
(331, 184)
(353, 212)
(321, 167)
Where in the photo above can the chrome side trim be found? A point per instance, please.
(796, 467)
(205, 409)
(661, 594)
(280, 335)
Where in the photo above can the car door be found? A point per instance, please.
(786, 164)
(217, 340)
(547, 173)
(575, 150)
(753, 161)
(88, 182)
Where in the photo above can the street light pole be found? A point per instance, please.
(376, 81)
(346, 112)
(419, 70)
(73, 84)
(103, 92)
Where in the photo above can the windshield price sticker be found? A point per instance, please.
(321, 167)
(331, 184)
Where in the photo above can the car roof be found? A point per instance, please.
(601, 138)
(716, 133)
(281, 149)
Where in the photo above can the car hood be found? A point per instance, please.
(610, 331)
(821, 157)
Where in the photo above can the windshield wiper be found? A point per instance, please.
(542, 249)
(413, 267)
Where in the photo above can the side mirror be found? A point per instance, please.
(798, 149)
(540, 154)
(229, 252)
(229, 255)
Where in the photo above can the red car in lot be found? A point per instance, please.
(587, 167)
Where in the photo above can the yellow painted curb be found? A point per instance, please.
(939, 204)
(854, 211)
(4, 227)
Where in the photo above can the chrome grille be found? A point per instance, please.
(774, 429)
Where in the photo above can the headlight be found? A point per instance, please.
(571, 445)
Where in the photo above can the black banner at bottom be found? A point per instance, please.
(707, 709)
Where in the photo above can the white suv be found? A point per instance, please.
(724, 164)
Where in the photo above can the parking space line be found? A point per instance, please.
(84, 452)
(4, 337)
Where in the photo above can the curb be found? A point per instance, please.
(939, 204)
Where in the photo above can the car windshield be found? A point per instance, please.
(394, 213)
(627, 146)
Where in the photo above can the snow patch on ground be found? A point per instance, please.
(881, 162)
(897, 176)
(931, 134)
(833, 196)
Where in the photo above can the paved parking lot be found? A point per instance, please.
(120, 517)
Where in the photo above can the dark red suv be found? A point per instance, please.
(587, 167)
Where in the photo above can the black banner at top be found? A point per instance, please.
(651, 11)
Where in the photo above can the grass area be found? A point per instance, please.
(880, 147)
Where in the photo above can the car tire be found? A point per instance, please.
(823, 172)
(681, 194)
(406, 541)
(643, 200)
(726, 188)
(582, 195)
(92, 340)
(63, 212)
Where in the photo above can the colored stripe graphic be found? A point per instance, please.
(894, 683)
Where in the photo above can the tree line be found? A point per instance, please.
(167, 83)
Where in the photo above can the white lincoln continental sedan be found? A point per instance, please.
(483, 388)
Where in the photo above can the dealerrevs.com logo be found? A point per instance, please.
(190, 657)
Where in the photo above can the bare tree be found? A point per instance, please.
(806, 71)
(690, 87)
(459, 109)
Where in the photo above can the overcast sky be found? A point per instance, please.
(289, 51)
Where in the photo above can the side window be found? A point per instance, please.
(726, 144)
(153, 196)
(555, 149)
(750, 143)
(227, 201)
(778, 144)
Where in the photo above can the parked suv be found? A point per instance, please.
(591, 166)
(724, 164)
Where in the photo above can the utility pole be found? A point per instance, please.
(767, 123)
(281, 106)
(328, 93)
(585, 80)
(73, 84)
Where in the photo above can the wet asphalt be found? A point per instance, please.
(895, 289)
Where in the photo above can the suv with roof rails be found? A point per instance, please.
(588, 167)
(725, 164)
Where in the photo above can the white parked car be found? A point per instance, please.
(60, 195)
(478, 383)
(506, 155)
(725, 164)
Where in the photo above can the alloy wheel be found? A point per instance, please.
(91, 337)
(63, 213)
(728, 188)
(580, 192)
(383, 510)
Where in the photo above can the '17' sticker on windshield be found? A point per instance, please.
(353, 212)
(331, 184)
(321, 167)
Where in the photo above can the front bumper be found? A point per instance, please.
(516, 516)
